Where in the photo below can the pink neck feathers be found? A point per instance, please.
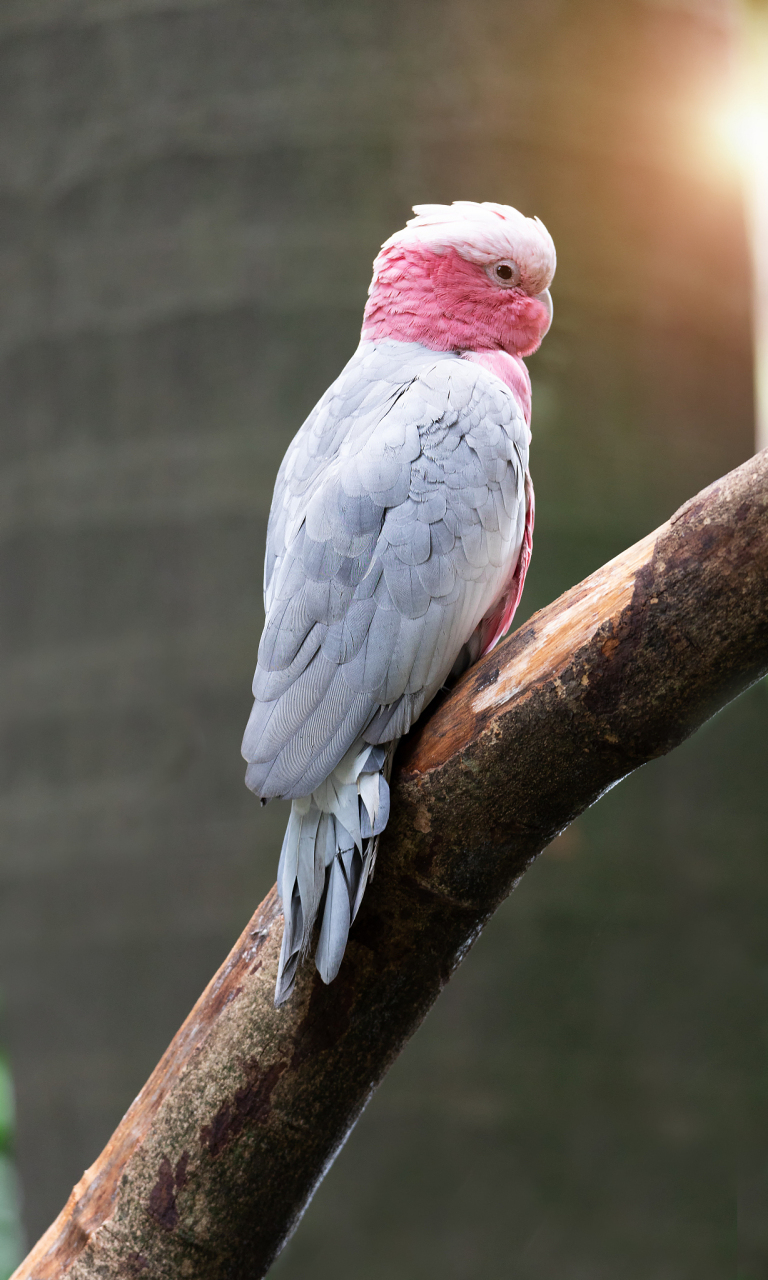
(449, 304)
(511, 370)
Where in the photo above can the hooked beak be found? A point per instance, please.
(545, 297)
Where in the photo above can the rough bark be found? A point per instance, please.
(211, 1168)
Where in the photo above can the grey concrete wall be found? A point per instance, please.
(191, 193)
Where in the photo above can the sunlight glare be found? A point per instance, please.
(743, 127)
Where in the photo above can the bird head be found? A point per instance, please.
(464, 277)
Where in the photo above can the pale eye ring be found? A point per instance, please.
(505, 273)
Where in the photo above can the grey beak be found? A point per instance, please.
(546, 297)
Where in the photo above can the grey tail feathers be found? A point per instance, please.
(327, 859)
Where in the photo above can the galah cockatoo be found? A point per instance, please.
(397, 545)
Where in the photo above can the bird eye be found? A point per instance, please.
(506, 273)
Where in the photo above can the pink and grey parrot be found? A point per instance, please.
(397, 546)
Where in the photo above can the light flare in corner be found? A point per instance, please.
(743, 126)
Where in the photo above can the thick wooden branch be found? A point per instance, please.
(213, 1164)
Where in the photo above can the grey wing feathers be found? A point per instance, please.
(397, 516)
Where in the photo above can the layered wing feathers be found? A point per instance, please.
(397, 519)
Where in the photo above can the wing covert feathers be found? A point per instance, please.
(397, 520)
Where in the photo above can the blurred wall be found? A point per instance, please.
(191, 193)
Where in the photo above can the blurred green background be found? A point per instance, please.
(191, 194)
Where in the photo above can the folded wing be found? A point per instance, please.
(396, 524)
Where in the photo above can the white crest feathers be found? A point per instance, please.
(482, 233)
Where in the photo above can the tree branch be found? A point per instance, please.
(215, 1161)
